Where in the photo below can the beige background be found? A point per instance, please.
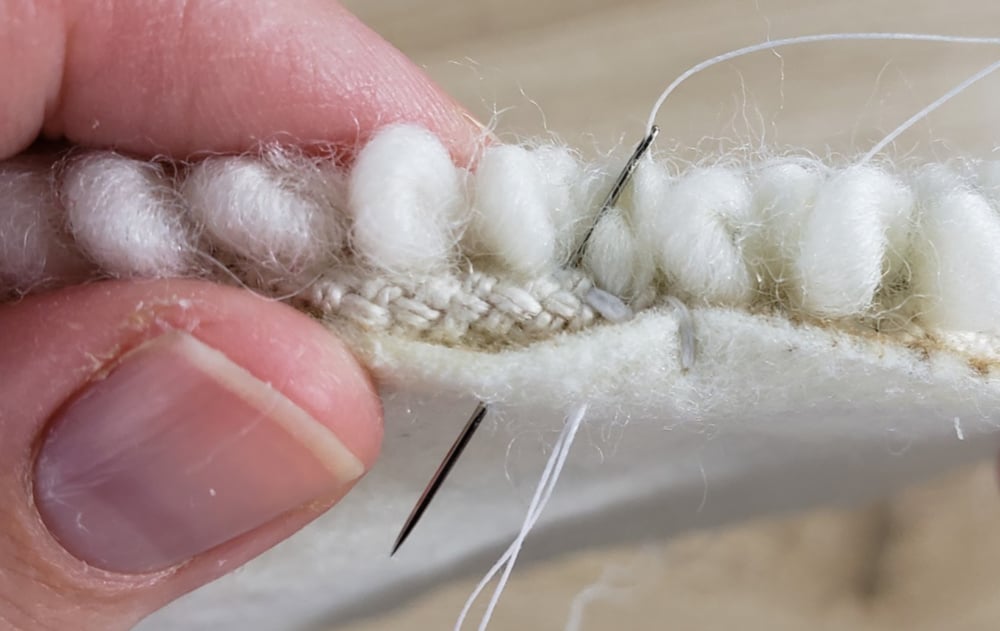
(587, 72)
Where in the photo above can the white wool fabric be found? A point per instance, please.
(695, 227)
(785, 193)
(870, 214)
(406, 199)
(35, 252)
(282, 214)
(616, 257)
(512, 201)
(543, 192)
(746, 337)
(126, 217)
(955, 278)
(771, 416)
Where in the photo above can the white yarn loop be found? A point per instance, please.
(126, 217)
(35, 251)
(406, 199)
(276, 215)
(834, 37)
(925, 112)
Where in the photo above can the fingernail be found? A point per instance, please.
(176, 451)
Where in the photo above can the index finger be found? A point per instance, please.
(176, 77)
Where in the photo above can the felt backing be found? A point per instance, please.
(772, 416)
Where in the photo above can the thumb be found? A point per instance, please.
(156, 435)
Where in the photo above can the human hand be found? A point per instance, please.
(159, 434)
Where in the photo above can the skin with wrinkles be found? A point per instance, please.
(176, 77)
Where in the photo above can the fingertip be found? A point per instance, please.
(87, 327)
(161, 433)
(406, 94)
(314, 74)
(297, 355)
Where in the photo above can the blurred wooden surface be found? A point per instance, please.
(587, 71)
(924, 561)
(590, 69)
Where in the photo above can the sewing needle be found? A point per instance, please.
(442, 472)
(481, 408)
(615, 193)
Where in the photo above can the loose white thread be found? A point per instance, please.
(834, 37)
(546, 484)
(926, 111)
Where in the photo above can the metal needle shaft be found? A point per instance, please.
(441, 474)
(615, 193)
